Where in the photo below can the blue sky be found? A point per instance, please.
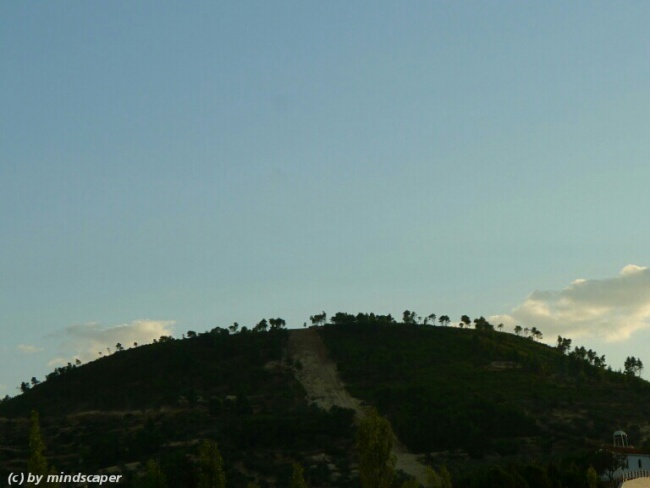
(166, 167)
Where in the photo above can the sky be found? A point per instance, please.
(167, 167)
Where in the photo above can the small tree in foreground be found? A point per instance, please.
(37, 464)
(211, 473)
(438, 480)
(592, 477)
(297, 478)
(374, 440)
(153, 476)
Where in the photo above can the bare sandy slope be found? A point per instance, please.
(324, 387)
(637, 483)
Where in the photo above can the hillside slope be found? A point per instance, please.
(320, 378)
(485, 392)
(466, 398)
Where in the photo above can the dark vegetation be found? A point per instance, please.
(158, 401)
(445, 388)
(498, 409)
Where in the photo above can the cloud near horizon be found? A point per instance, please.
(611, 309)
(86, 341)
(28, 348)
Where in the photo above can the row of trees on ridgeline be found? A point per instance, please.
(632, 367)
(410, 317)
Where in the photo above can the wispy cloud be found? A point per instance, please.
(611, 309)
(86, 341)
(28, 349)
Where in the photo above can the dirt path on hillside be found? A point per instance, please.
(319, 376)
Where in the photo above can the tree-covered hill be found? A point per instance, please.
(470, 398)
(485, 391)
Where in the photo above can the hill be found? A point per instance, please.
(466, 398)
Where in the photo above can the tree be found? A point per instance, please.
(261, 326)
(297, 478)
(563, 345)
(600, 362)
(633, 366)
(277, 324)
(119, 347)
(438, 480)
(535, 333)
(444, 320)
(408, 317)
(482, 324)
(579, 353)
(153, 477)
(536, 476)
(592, 477)
(606, 462)
(497, 477)
(430, 318)
(341, 318)
(319, 318)
(191, 334)
(465, 321)
(445, 476)
(518, 329)
(211, 474)
(37, 464)
(234, 328)
(374, 442)
(433, 479)
(24, 387)
(410, 483)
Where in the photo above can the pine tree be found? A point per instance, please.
(446, 477)
(592, 477)
(297, 479)
(434, 480)
(37, 463)
(374, 441)
(211, 474)
(153, 476)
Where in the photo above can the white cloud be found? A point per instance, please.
(28, 349)
(60, 361)
(86, 341)
(631, 269)
(611, 309)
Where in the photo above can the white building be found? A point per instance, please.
(635, 464)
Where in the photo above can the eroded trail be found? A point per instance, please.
(320, 378)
